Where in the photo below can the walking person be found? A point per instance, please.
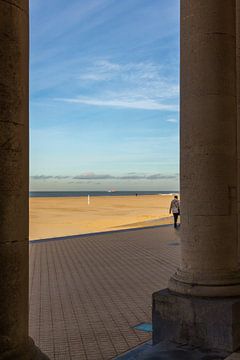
(175, 209)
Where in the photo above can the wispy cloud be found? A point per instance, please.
(47, 177)
(144, 104)
(140, 75)
(172, 120)
(102, 70)
(92, 176)
(131, 85)
(112, 66)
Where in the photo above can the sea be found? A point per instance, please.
(97, 193)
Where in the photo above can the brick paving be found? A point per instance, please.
(88, 292)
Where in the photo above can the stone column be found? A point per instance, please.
(202, 304)
(14, 53)
(209, 261)
(238, 111)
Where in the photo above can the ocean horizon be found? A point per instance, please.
(97, 193)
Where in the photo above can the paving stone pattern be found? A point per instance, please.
(87, 293)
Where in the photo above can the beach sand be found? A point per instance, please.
(61, 216)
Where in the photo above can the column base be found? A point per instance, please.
(206, 285)
(26, 352)
(210, 323)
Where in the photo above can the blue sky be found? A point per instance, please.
(104, 98)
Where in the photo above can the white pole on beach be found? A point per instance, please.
(88, 199)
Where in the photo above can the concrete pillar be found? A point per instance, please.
(209, 261)
(202, 304)
(14, 340)
(238, 111)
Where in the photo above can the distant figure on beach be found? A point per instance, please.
(175, 209)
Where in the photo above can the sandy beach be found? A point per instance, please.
(61, 216)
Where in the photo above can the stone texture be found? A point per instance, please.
(208, 150)
(238, 111)
(208, 323)
(207, 314)
(172, 351)
(14, 341)
(234, 356)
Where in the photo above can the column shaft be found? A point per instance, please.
(202, 305)
(14, 247)
(238, 112)
(208, 150)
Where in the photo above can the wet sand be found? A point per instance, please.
(61, 216)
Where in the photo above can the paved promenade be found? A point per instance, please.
(87, 293)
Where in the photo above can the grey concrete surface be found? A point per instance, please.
(209, 323)
(171, 351)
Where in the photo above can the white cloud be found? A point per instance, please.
(141, 85)
(171, 120)
(143, 76)
(107, 65)
(94, 77)
(144, 104)
(102, 70)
